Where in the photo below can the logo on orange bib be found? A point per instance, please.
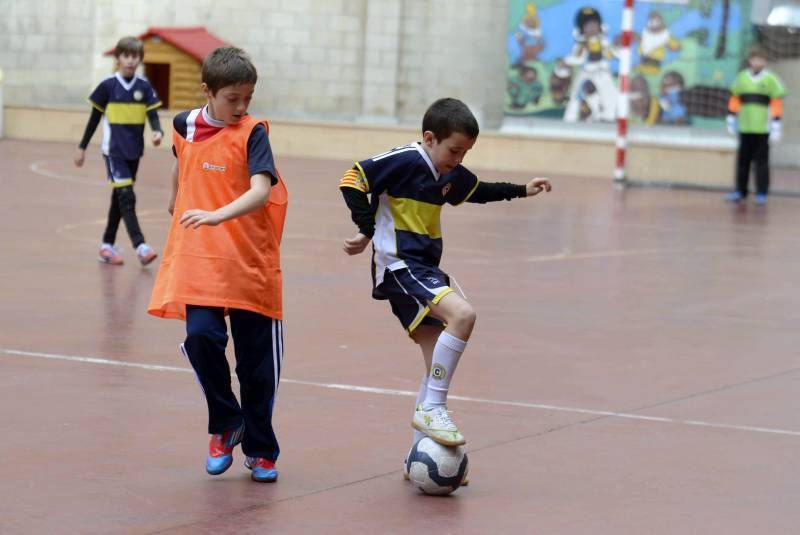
(211, 167)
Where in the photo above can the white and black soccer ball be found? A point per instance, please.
(436, 469)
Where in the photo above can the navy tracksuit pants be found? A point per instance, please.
(258, 346)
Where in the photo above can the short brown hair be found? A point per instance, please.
(226, 66)
(447, 116)
(129, 45)
(758, 50)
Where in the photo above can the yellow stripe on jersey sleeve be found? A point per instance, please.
(416, 216)
(354, 179)
(126, 113)
(96, 106)
(477, 183)
(154, 106)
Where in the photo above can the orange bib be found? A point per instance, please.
(235, 264)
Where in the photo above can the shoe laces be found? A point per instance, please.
(442, 420)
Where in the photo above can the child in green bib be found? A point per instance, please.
(754, 112)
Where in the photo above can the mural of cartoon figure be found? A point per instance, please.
(560, 79)
(645, 108)
(524, 86)
(673, 110)
(653, 44)
(591, 53)
(526, 42)
(589, 107)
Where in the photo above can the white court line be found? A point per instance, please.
(408, 393)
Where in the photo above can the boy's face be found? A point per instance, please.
(230, 103)
(757, 62)
(447, 153)
(128, 63)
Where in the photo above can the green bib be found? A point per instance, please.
(756, 92)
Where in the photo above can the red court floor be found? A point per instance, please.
(635, 367)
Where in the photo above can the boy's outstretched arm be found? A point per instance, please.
(250, 200)
(504, 191)
(362, 213)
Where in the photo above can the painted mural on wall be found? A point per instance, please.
(563, 59)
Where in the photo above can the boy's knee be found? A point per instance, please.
(464, 316)
(126, 198)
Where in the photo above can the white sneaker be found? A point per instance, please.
(146, 254)
(436, 423)
(109, 255)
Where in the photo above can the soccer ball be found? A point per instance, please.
(436, 469)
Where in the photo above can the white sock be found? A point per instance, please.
(446, 353)
(423, 390)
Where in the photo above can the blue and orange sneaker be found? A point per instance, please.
(109, 255)
(146, 254)
(220, 450)
(263, 470)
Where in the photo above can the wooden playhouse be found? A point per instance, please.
(172, 61)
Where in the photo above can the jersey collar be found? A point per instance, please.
(125, 83)
(427, 159)
(210, 121)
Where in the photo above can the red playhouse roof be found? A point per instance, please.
(195, 41)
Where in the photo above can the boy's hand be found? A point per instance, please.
(731, 124)
(775, 133)
(536, 186)
(156, 138)
(195, 218)
(356, 244)
(79, 157)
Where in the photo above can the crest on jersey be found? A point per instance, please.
(138, 95)
(446, 189)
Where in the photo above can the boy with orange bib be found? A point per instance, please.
(223, 258)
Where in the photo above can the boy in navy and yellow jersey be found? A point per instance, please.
(222, 257)
(408, 186)
(123, 101)
(755, 111)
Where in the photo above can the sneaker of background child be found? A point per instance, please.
(220, 450)
(109, 255)
(263, 470)
(761, 198)
(146, 254)
(436, 423)
(733, 196)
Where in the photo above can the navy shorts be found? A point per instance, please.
(410, 291)
(121, 172)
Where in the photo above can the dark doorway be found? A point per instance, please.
(158, 74)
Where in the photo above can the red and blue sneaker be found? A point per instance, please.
(263, 470)
(220, 450)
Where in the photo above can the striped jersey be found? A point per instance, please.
(124, 105)
(408, 194)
